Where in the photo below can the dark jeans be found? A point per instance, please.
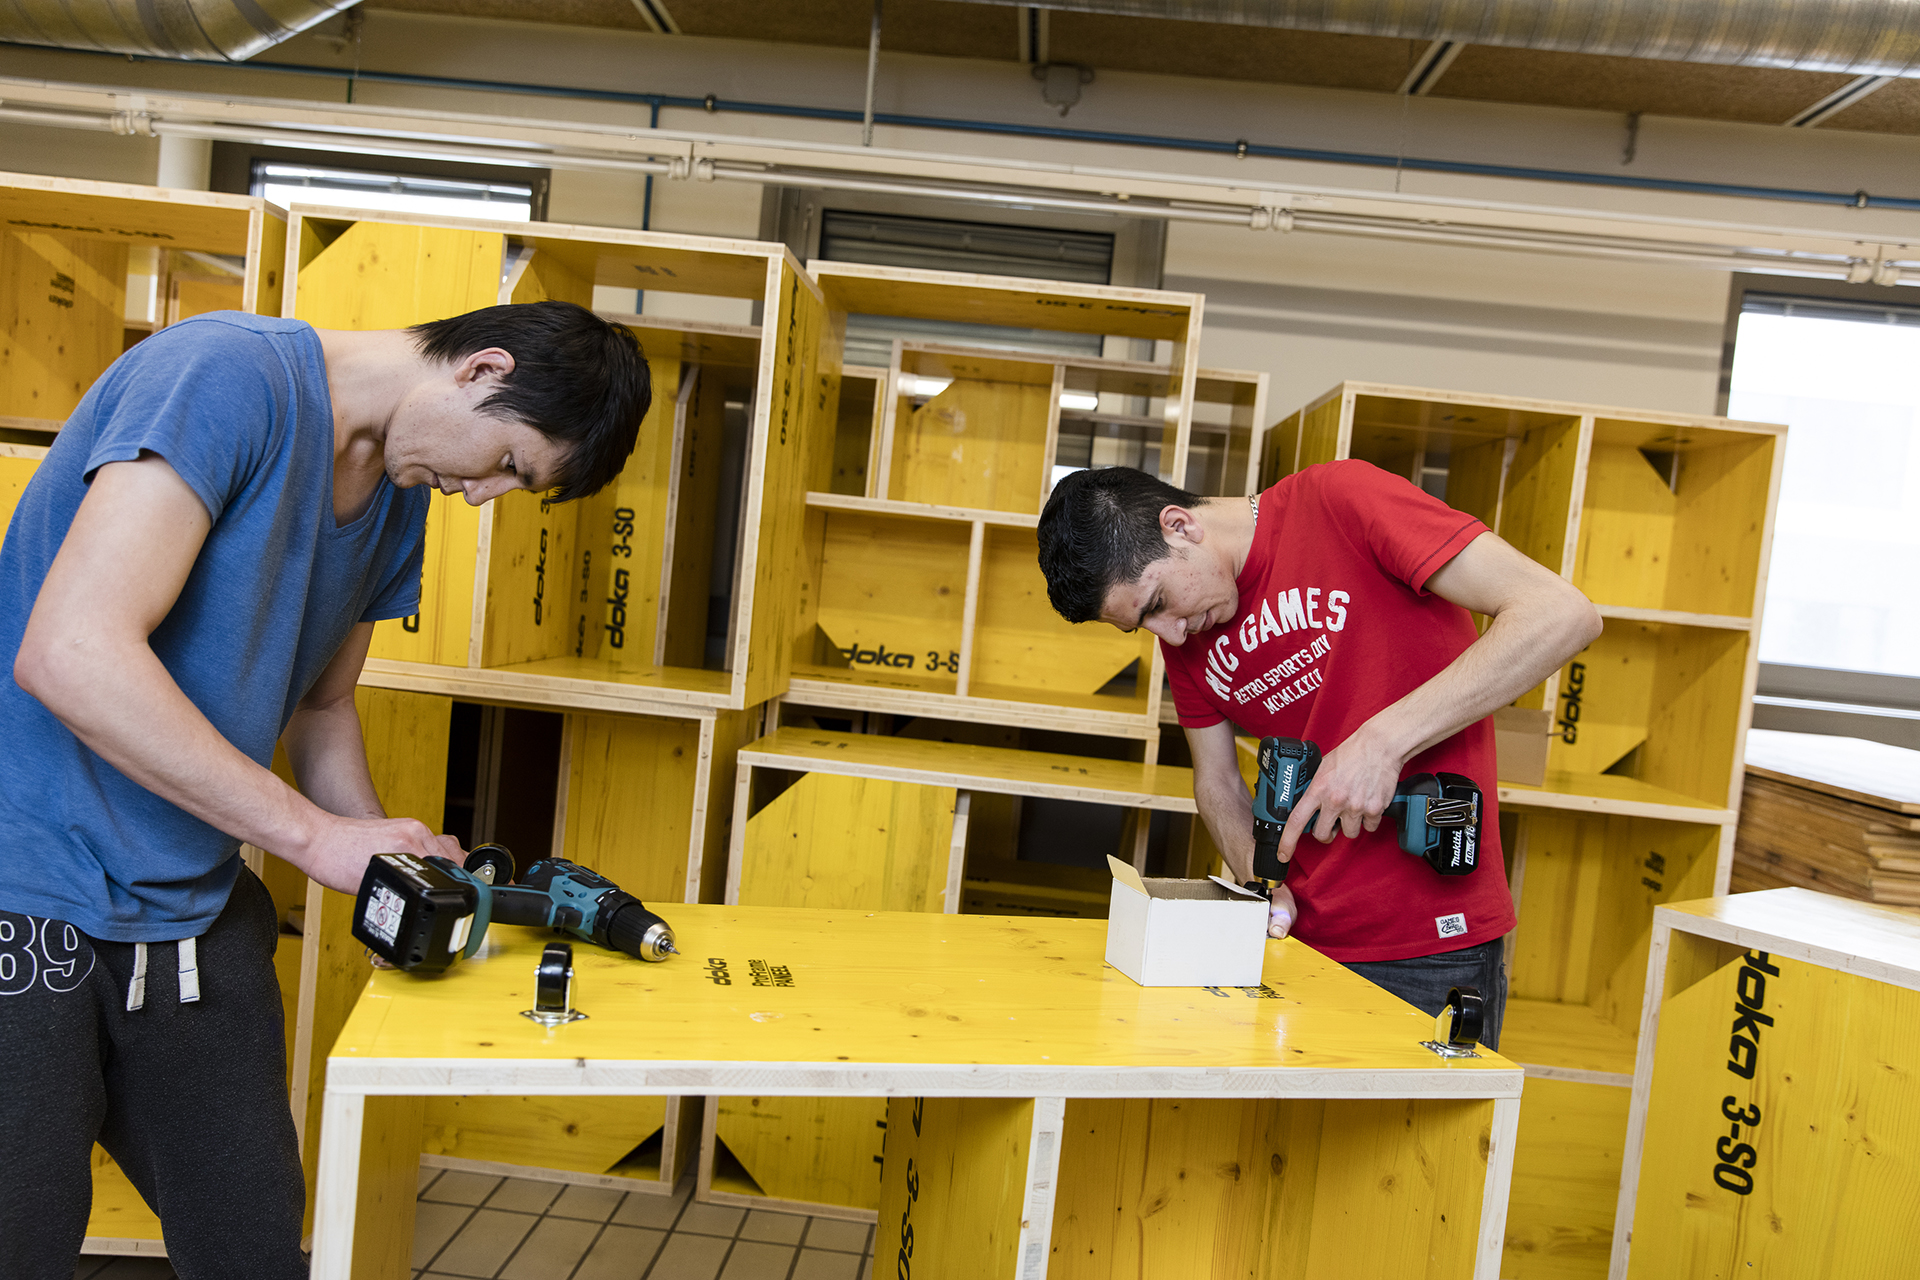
(1423, 981)
(189, 1099)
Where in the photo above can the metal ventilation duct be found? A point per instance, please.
(210, 30)
(1861, 37)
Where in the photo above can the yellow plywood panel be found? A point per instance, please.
(979, 445)
(62, 302)
(1021, 643)
(119, 1212)
(1586, 909)
(701, 427)
(622, 532)
(1322, 438)
(955, 1187)
(1279, 456)
(1626, 529)
(1474, 470)
(1719, 526)
(799, 393)
(530, 571)
(542, 277)
(388, 1186)
(195, 296)
(1790, 1145)
(1399, 1189)
(1605, 698)
(630, 792)
(265, 282)
(378, 275)
(15, 471)
(1540, 492)
(123, 214)
(442, 630)
(1566, 1180)
(831, 841)
(892, 594)
(582, 1135)
(1695, 712)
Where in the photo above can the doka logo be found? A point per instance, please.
(1569, 724)
(876, 657)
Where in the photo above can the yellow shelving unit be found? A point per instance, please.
(1664, 520)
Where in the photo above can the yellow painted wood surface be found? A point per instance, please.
(1280, 452)
(976, 444)
(1021, 644)
(1320, 433)
(1586, 908)
(836, 842)
(1566, 1178)
(542, 277)
(701, 428)
(975, 768)
(406, 737)
(1399, 1188)
(891, 594)
(385, 275)
(118, 1211)
(1540, 490)
(375, 275)
(799, 391)
(1552, 1033)
(630, 788)
(62, 299)
(905, 989)
(389, 1187)
(1833, 1147)
(530, 570)
(125, 214)
(581, 1135)
(17, 465)
(623, 539)
(831, 841)
(954, 1190)
(265, 289)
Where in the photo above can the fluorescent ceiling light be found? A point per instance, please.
(1079, 400)
(915, 385)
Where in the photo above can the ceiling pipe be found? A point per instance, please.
(1862, 37)
(1268, 215)
(203, 30)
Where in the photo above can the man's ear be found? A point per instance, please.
(1180, 524)
(490, 364)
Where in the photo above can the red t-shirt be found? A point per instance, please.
(1335, 624)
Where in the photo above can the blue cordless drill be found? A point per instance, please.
(1438, 813)
(426, 914)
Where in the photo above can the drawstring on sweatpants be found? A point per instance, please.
(189, 965)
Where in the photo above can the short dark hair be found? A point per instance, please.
(576, 379)
(1101, 529)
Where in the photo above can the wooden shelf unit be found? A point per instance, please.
(68, 250)
(1664, 520)
(855, 821)
(609, 597)
(922, 593)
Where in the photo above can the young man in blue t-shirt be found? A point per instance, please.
(194, 574)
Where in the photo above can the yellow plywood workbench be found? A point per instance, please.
(1773, 1127)
(1300, 1128)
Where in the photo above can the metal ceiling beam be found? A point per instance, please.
(1839, 100)
(1864, 37)
(209, 30)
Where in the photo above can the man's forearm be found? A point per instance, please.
(1227, 809)
(121, 701)
(328, 752)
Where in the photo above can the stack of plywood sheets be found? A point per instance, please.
(1841, 815)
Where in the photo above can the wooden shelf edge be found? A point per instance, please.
(1517, 797)
(834, 695)
(967, 782)
(522, 689)
(1676, 618)
(919, 510)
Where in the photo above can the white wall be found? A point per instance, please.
(1311, 309)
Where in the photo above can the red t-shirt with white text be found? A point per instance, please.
(1335, 624)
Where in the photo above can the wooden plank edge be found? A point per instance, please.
(537, 1173)
(967, 781)
(1752, 939)
(523, 689)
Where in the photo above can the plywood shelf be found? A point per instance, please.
(827, 687)
(920, 510)
(1676, 618)
(561, 684)
(1568, 1041)
(993, 769)
(1602, 793)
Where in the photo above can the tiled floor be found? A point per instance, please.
(470, 1226)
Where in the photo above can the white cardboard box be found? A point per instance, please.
(1185, 933)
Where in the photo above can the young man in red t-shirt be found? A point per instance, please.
(1333, 608)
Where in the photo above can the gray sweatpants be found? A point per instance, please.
(189, 1098)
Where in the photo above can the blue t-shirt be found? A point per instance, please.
(238, 406)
